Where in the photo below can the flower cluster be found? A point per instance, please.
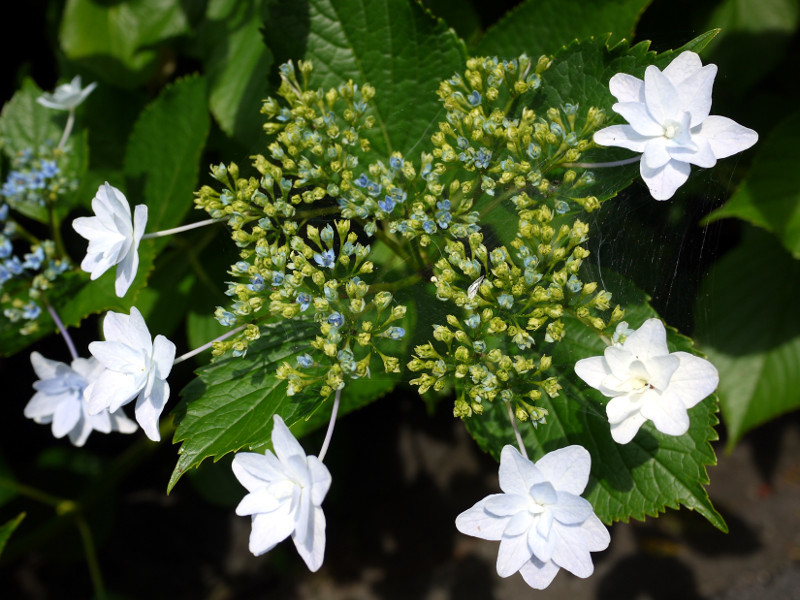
(512, 306)
(36, 180)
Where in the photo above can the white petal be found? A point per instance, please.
(623, 136)
(571, 552)
(513, 553)
(649, 340)
(622, 407)
(517, 474)
(567, 468)
(118, 356)
(320, 480)
(258, 501)
(506, 505)
(538, 574)
(694, 379)
(626, 88)
(139, 224)
(283, 442)
(255, 471)
(695, 93)
(595, 534)
(126, 272)
(618, 360)
(65, 417)
(655, 153)
(571, 509)
(683, 66)
(120, 422)
(624, 431)
(312, 547)
(662, 98)
(541, 546)
(110, 391)
(149, 408)
(518, 523)
(44, 367)
(592, 370)
(477, 522)
(137, 332)
(269, 529)
(660, 370)
(663, 182)
(80, 433)
(700, 154)
(639, 118)
(43, 406)
(163, 356)
(667, 413)
(726, 136)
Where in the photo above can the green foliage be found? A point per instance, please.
(641, 478)
(6, 529)
(543, 26)
(231, 403)
(750, 332)
(765, 200)
(119, 41)
(394, 45)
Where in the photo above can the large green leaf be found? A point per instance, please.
(641, 478)
(231, 403)
(751, 333)
(769, 197)
(162, 160)
(538, 27)
(394, 45)
(6, 529)
(26, 124)
(237, 66)
(119, 40)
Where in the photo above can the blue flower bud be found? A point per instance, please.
(474, 98)
(473, 321)
(326, 235)
(304, 300)
(395, 333)
(506, 301)
(325, 260)
(305, 361)
(336, 319)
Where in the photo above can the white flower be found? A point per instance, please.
(66, 96)
(541, 521)
(135, 366)
(113, 237)
(670, 124)
(646, 382)
(59, 400)
(286, 492)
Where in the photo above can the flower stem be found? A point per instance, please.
(166, 232)
(67, 129)
(513, 420)
(329, 434)
(91, 556)
(30, 492)
(208, 345)
(63, 330)
(613, 163)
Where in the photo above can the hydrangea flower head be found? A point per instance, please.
(136, 366)
(647, 382)
(67, 96)
(669, 123)
(286, 490)
(59, 400)
(113, 237)
(540, 519)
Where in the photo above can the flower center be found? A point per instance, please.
(671, 129)
(637, 383)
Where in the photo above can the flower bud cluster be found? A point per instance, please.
(35, 180)
(316, 278)
(513, 304)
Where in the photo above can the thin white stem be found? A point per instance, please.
(166, 232)
(204, 347)
(63, 330)
(67, 129)
(613, 163)
(329, 434)
(513, 420)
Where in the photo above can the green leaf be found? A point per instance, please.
(231, 403)
(641, 478)
(769, 196)
(538, 27)
(119, 40)
(162, 159)
(26, 124)
(394, 45)
(237, 65)
(768, 25)
(8, 528)
(751, 333)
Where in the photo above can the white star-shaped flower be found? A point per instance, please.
(113, 237)
(136, 366)
(59, 400)
(647, 382)
(669, 123)
(286, 490)
(67, 96)
(540, 519)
